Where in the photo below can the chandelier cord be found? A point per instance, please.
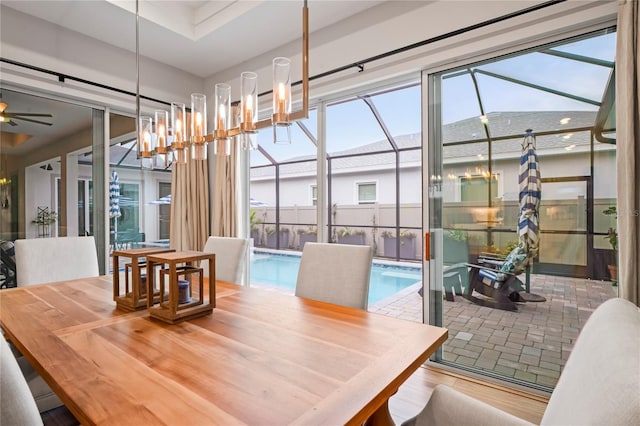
(137, 71)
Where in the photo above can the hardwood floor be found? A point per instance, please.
(413, 396)
(415, 393)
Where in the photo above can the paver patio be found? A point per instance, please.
(531, 344)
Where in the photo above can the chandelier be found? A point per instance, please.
(171, 136)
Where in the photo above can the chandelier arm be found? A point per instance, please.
(304, 113)
(138, 80)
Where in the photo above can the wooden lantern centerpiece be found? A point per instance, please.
(179, 277)
(134, 296)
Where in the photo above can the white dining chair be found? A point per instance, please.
(231, 257)
(17, 406)
(335, 273)
(41, 260)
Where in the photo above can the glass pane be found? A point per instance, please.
(301, 145)
(366, 192)
(457, 89)
(257, 159)
(40, 150)
(542, 70)
(564, 206)
(351, 125)
(164, 190)
(400, 111)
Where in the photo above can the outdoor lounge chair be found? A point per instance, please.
(498, 283)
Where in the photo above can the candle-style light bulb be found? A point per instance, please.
(248, 102)
(178, 130)
(222, 115)
(248, 110)
(198, 125)
(146, 138)
(281, 98)
(161, 137)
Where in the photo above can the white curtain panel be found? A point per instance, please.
(224, 195)
(178, 235)
(628, 148)
(189, 227)
(198, 203)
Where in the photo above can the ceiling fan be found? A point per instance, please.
(8, 117)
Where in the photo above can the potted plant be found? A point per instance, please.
(612, 237)
(349, 236)
(270, 232)
(309, 234)
(407, 244)
(44, 218)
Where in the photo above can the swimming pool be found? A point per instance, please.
(281, 270)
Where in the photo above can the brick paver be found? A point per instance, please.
(531, 344)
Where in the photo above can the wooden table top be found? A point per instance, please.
(260, 358)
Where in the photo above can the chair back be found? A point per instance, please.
(599, 384)
(17, 406)
(41, 260)
(335, 273)
(231, 257)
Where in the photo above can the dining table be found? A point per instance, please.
(260, 358)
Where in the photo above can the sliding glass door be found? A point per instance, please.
(521, 328)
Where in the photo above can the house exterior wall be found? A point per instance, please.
(296, 206)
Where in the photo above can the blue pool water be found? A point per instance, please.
(281, 270)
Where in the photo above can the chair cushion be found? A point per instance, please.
(514, 263)
(449, 407)
(45, 398)
(231, 257)
(335, 273)
(600, 383)
(17, 406)
(41, 260)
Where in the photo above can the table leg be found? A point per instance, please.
(380, 417)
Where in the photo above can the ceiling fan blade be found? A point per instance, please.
(32, 121)
(25, 114)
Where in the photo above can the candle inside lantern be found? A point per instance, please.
(143, 284)
(183, 291)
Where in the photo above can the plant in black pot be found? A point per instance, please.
(351, 236)
(307, 235)
(612, 237)
(407, 244)
(273, 239)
